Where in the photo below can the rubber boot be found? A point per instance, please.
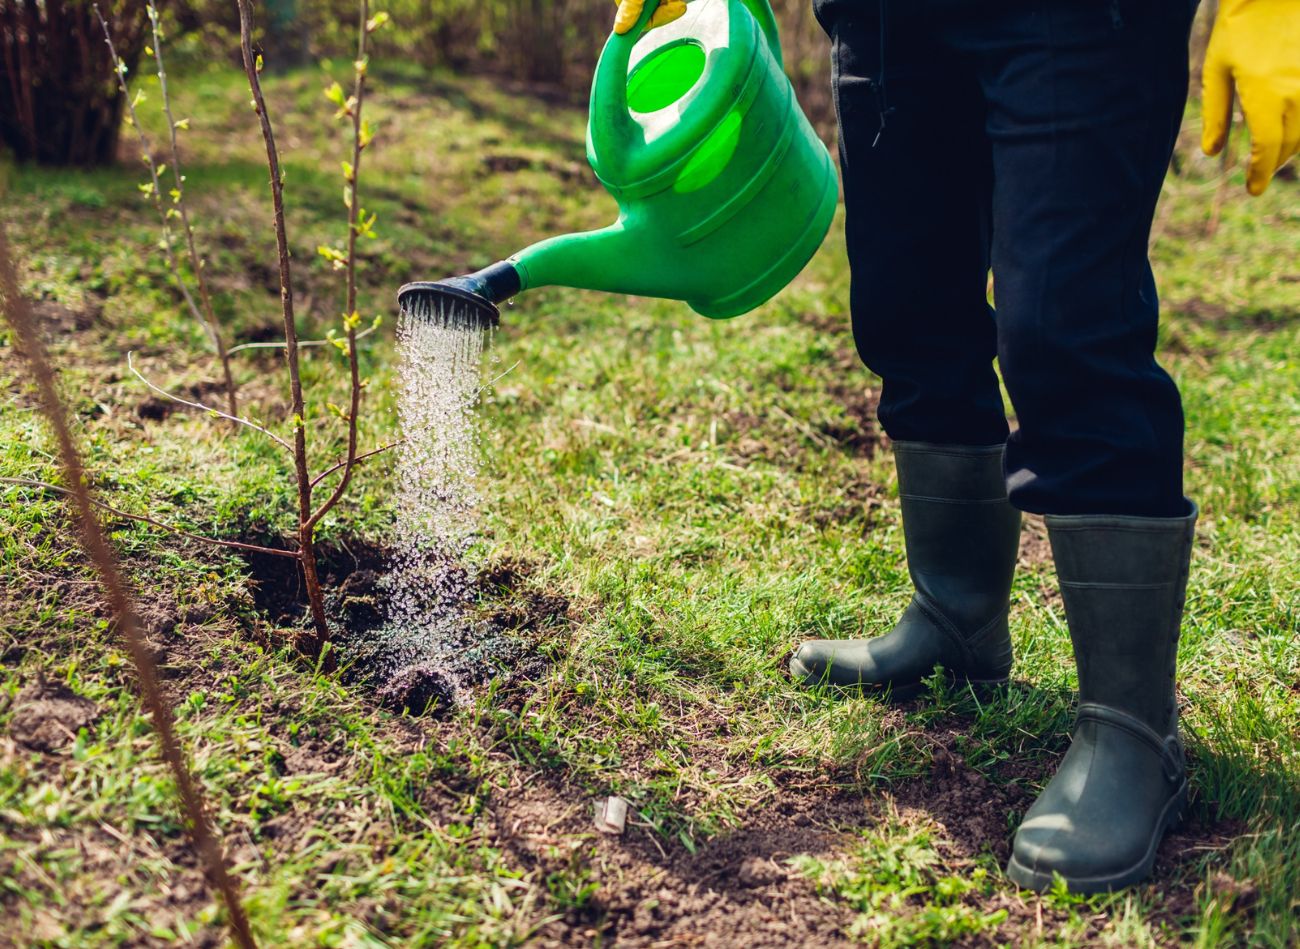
(962, 538)
(1123, 781)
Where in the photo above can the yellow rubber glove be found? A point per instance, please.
(629, 11)
(1256, 47)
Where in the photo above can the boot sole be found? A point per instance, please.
(1041, 880)
(895, 691)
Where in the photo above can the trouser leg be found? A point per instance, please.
(1084, 102)
(917, 224)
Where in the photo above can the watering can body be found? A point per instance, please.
(724, 190)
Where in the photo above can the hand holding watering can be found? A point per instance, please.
(629, 11)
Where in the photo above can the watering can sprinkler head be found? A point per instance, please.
(468, 301)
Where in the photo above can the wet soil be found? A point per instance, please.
(505, 636)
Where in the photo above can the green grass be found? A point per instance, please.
(689, 487)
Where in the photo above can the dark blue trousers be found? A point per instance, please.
(1031, 137)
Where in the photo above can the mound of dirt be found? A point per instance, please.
(499, 639)
(48, 715)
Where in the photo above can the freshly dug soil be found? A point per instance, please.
(504, 636)
(48, 715)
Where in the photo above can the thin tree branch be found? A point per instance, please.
(214, 337)
(205, 408)
(206, 844)
(355, 461)
(306, 546)
(196, 264)
(351, 317)
(237, 545)
(302, 343)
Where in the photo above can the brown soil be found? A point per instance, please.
(48, 715)
(971, 810)
(504, 636)
(1209, 313)
(495, 163)
(735, 889)
(1035, 548)
(859, 433)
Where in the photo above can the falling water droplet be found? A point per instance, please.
(429, 582)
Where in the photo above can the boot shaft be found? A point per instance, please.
(961, 533)
(1124, 582)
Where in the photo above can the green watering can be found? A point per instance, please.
(725, 191)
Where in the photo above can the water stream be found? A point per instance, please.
(429, 582)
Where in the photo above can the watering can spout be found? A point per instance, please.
(609, 259)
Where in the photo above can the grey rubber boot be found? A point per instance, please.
(962, 538)
(1123, 781)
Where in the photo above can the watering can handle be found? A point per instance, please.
(611, 127)
(766, 19)
(760, 10)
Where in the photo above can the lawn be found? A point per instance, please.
(669, 505)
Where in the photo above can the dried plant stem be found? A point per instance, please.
(101, 554)
(350, 309)
(234, 544)
(196, 263)
(306, 526)
(205, 316)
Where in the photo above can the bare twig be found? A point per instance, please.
(302, 343)
(351, 318)
(155, 193)
(235, 544)
(196, 263)
(355, 461)
(97, 548)
(204, 408)
(306, 548)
